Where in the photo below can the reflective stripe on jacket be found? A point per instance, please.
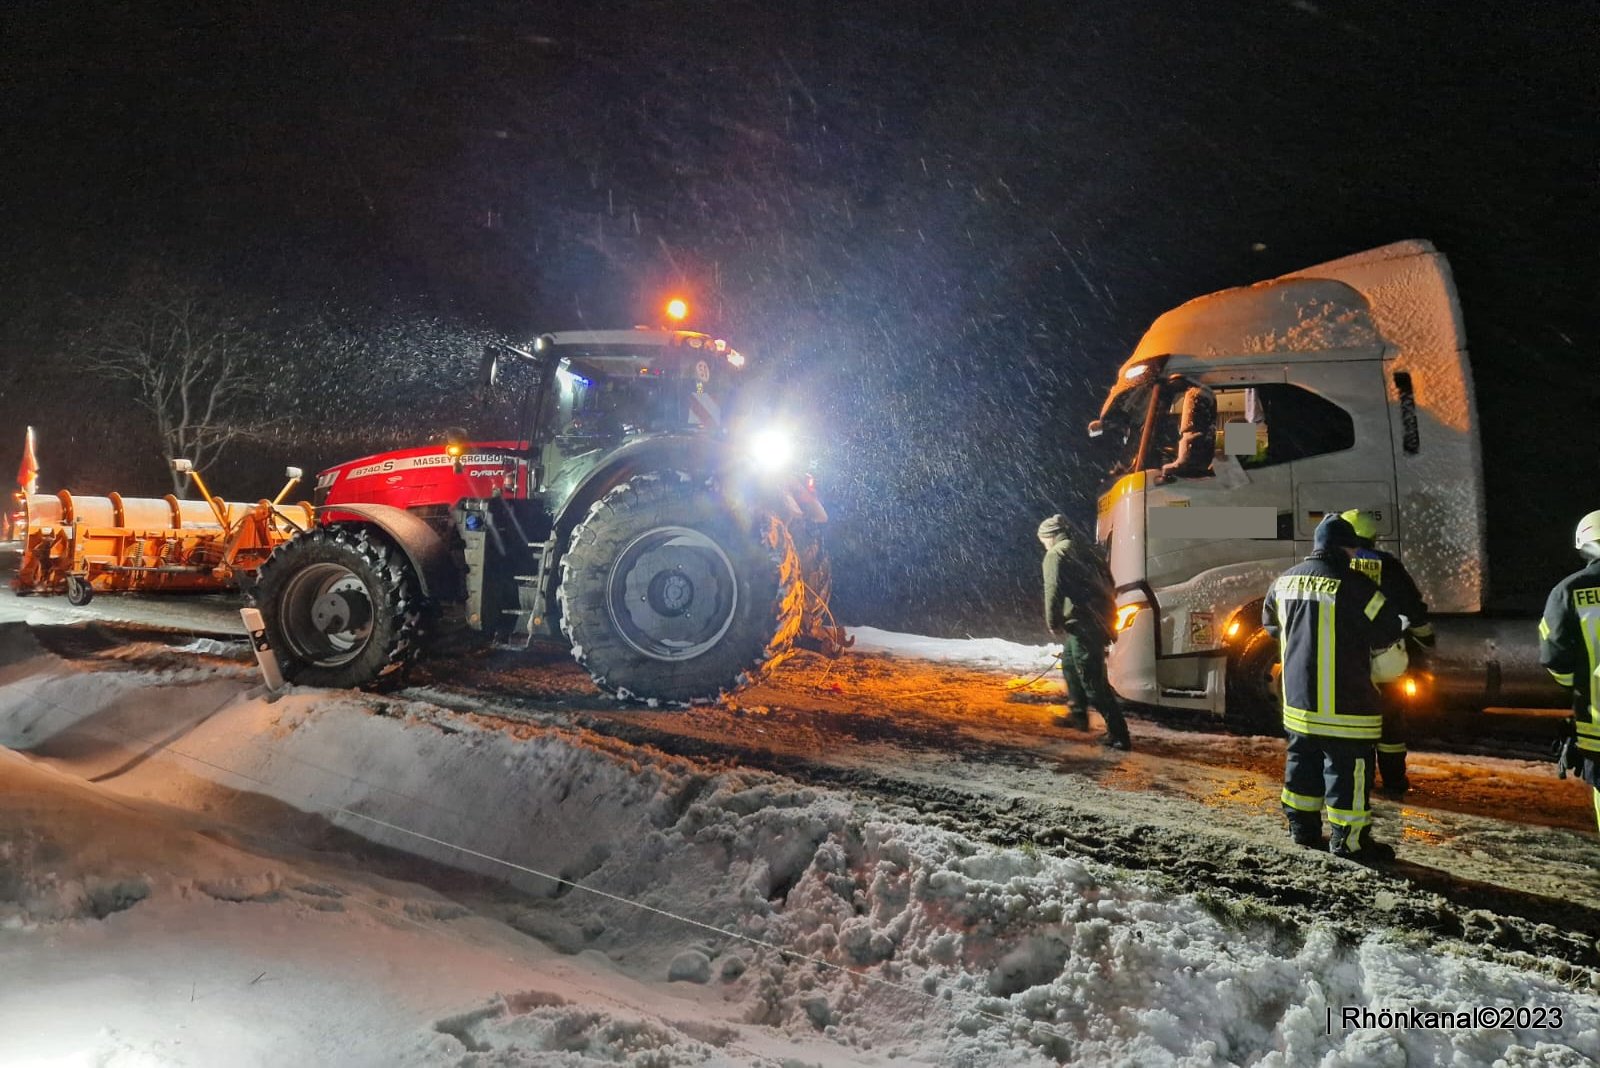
(1399, 588)
(1569, 647)
(1328, 619)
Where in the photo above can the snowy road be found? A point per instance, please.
(952, 731)
(970, 833)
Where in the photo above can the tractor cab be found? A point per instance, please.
(613, 384)
(599, 391)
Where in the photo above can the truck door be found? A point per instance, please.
(1229, 506)
(1331, 422)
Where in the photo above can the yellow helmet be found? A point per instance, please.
(1363, 523)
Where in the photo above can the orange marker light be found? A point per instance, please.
(677, 309)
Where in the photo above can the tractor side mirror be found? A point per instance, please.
(488, 372)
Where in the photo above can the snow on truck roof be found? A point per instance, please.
(1360, 307)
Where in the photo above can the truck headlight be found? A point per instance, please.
(772, 449)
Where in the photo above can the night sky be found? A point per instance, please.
(942, 226)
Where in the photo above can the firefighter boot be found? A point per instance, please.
(1355, 843)
(1392, 772)
(1306, 829)
(1073, 720)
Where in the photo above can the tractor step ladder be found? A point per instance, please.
(529, 613)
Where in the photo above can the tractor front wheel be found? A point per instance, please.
(668, 593)
(342, 607)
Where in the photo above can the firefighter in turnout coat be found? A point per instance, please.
(1079, 601)
(1329, 620)
(1569, 647)
(1397, 585)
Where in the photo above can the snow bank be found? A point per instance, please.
(991, 653)
(770, 916)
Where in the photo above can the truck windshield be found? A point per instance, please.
(1123, 421)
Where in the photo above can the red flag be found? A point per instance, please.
(28, 473)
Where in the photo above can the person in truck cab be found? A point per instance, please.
(1330, 620)
(1569, 647)
(1197, 436)
(1395, 583)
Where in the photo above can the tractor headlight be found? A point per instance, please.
(772, 449)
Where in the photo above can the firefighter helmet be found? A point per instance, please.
(1389, 665)
(1365, 527)
(1587, 540)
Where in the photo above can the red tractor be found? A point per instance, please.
(646, 514)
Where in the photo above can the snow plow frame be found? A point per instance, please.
(84, 545)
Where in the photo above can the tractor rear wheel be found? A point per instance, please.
(667, 593)
(342, 607)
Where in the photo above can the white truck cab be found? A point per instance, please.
(1245, 416)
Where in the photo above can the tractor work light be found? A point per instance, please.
(677, 309)
(772, 449)
(1126, 615)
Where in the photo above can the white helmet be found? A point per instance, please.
(1389, 665)
(1587, 541)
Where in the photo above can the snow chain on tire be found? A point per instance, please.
(657, 537)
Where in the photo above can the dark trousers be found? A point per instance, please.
(1392, 746)
(1331, 773)
(1589, 772)
(1083, 664)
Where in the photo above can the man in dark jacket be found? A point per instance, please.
(1396, 584)
(1079, 602)
(1329, 619)
(1569, 648)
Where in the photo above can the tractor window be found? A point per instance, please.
(612, 405)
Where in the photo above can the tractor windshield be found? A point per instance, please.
(598, 400)
(622, 391)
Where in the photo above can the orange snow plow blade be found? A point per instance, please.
(81, 546)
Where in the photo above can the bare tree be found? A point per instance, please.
(190, 362)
